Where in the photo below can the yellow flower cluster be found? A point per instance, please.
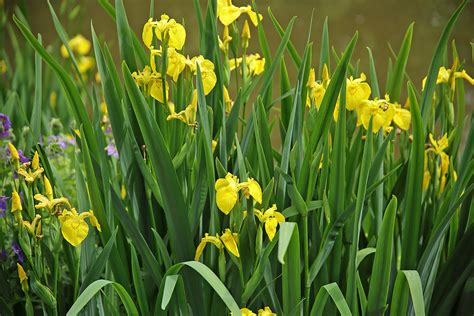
(382, 111)
(173, 36)
(437, 148)
(228, 240)
(271, 218)
(73, 226)
(449, 76)
(227, 190)
(81, 47)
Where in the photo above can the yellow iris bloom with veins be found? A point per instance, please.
(228, 13)
(74, 227)
(381, 111)
(151, 83)
(227, 192)
(166, 30)
(227, 239)
(271, 218)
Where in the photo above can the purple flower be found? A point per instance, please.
(3, 205)
(112, 150)
(18, 252)
(58, 140)
(5, 125)
(23, 158)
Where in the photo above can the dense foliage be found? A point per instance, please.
(173, 184)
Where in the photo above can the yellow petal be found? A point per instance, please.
(226, 197)
(16, 202)
(147, 34)
(35, 161)
(266, 312)
(356, 93)
(230, 243)
(229, 14)
(200, 249)
(13, 152)
(21, 273)
(255, 190)
(177, 36)
(156, 90)
(402, 118)
(247, 312)
(48, 188)
(74, 230)
(270, 227)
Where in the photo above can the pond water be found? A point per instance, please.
(379, 23)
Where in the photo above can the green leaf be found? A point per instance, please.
(95, 287)
(411, 207)
(127, 51)
(361, 194)
(407, 279)
(173, 201)
(427, 98)
(396, 79)
(99, 263)
(380, 276)
(330, 290)
(209, 277)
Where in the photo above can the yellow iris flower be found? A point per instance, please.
(438, 148)
(228, 13)
(255, 64)
(271, 218)
(316, 91)
(438, 145)
(177, 63)
(78, 44)
(188, 115)
(227, 190)
(166, 30)
(227, 239)
(444, 76)
(381, 111)
(74, 227)
(49, 201)
(34, 227)
(29, 176)
(151, 83)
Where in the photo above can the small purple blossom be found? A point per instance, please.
(23, 158)
(3, 205)
(18, 252)
(58, 140)
(112, 150)
(5, 125)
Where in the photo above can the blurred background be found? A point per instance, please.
(380, 24)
